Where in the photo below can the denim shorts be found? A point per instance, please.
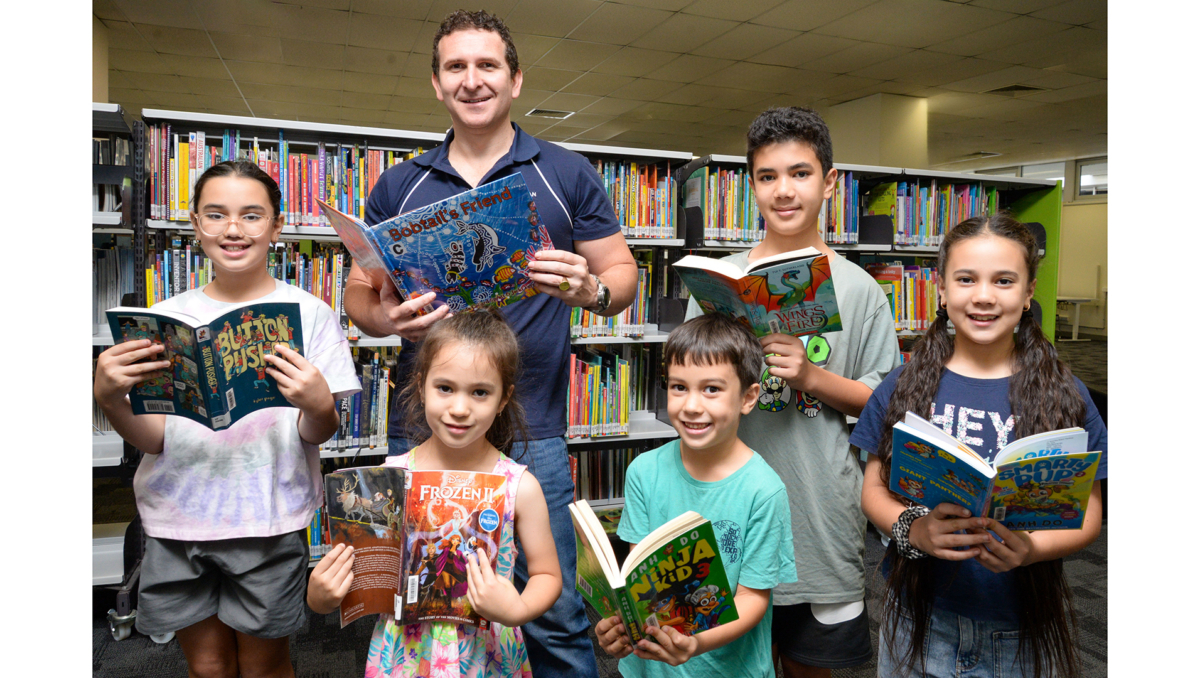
(957, 647)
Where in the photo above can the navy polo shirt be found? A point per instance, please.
(572, 203)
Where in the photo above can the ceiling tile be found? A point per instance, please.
(916, 60)
(550, 17)
(763, 78)
(597, 84)
(740, 119)
(531, 98)
(317, 112)
(155, 82)
(576, 55)
(421, 105)
(1101, 25)
(118, 80)
(424, 42)
(1092, 63)
(601, 133)
(743, 10)
(1013, 75)
(369, 83)
(282, 110)
(297, 94)
(221, 15)
(683, 33)
(126, 35)
(421, 66)
(310, 23)
(256, 72)
(1076, 12)
(668, 5)
(846, 87)
(646, 89)
(530, 48)
(580, 122)
(860, 55)
(409, 9)
(363, 100)
(440, 9)
(106, 10)
(551, 79)
(951, 72)
(618, 24)
(568, 102)
(1061, 43)
(954, 103)
(744, 41)
(660, 111)
(716, 97)
(689, 68)
(805, 15)
(139, 62)
(802, 49)
(211, 87)
(312, 54)
(634, 61)
(383, 32)
(173, 13)
(399, 120)
(367, 60)
(248, 48)
(167, 40)
(1016, 30)
(1018, 6)
(1086, 90)
(913, 23)
(1057, 79)
(415, 87)
(611, 107)
(198, 67)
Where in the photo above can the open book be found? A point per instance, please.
(218, 373)
(674, 577)
(1040, 482)
(472, 249)
(791, 292)
(364, 507)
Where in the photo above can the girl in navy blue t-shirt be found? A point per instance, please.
(990, 601)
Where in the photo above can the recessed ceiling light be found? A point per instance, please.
(547, 113)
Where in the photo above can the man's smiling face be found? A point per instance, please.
(474, 80)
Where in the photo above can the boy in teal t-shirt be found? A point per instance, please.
(712, 380)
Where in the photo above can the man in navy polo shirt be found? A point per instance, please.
(476, 75)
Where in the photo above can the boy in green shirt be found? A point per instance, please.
(712, 380)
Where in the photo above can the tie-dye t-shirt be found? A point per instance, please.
(256, 478)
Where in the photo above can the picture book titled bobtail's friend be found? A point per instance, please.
(472, 250)
(791, 293)
(449, 516)
(364, 508)
(674, 577)
(218, 370)
(1040, 482)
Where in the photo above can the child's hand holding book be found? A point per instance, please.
(494, 598)
(673, 647)
(331, 579)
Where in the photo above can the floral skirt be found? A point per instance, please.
(446, 650)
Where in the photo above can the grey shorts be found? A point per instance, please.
(803, 638)
(255, 585)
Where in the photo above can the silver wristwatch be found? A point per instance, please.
(602, 297)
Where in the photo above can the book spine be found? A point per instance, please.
(633, 625)
(208, 363)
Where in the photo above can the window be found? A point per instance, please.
(1092, 177)
(1050, 170)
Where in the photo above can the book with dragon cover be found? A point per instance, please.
(218, 370)
(449, 515)
(1040, 482)
(791, 293)
(674, 577)
(473, 249)
(364, 508)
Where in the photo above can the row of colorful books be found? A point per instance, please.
(839, 216)
(364, 415)
(643, 196)
(340, 174)
(911, 290)
(318, 536)
(730, 212)
(628, 323)
(603, 388)
(602, 473)
(923, 211)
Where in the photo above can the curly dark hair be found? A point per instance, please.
(462, 20)
(791, 123)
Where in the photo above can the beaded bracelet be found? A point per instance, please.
(900, 532)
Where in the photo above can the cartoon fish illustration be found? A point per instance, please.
(487, 243)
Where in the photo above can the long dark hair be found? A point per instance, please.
(1043, 396)
(486, 332)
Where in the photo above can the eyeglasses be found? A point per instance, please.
(215, 223)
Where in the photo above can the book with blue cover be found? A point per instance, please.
(473, 249)
(218, 371)
(1040, 482)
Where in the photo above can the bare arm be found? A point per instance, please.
(608, 258)
(117, 372)
(374, 305)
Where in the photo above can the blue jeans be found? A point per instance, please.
(957, 647)
(557, 642)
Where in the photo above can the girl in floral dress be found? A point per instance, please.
(461, 393)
